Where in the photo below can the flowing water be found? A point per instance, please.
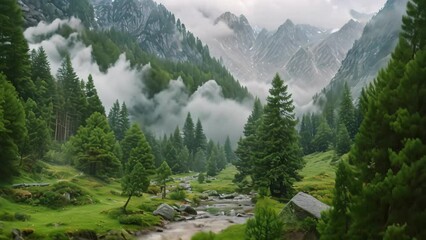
(214, 215)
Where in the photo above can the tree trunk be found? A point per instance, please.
(127, 202)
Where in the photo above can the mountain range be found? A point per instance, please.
(306, 56)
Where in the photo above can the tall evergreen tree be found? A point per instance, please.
(343, 144)
(323, 137)
(389, 150)
(279, 156)
(70, 114)
(92, 148)
(306, 134)
(200, 137)
(123, 121)
(347, 112)
(188, 134)
(94, 103)
(12, 128)
(230, 155)
(136, 147)
(247, 145)
(14, 60)
(135, 181)
(113, 119)
(163, 173)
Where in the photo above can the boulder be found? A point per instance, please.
(188, 209)
(165, 211)
(211, 193)
(227, 196)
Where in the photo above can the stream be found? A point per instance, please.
(213, 215)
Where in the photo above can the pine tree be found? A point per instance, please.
(123, 121)
(12, 128)
(135, 146)
(323, 137)
(177, 139)
(70, 115)
(230, 155)
(37, 140)
(221, 158)
(212, 164)
(183, 159)
(113, 119)
(343, 140)
(188, 134)
(246, 146)
(135, 181)
(163, 173)
(200, 137)
(389, 150)
(94, 103)
(347, 112)
(200, 161)
(306, 134)
(279, 155)
(92, 148)
(14, 60)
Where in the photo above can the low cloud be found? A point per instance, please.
(160, 114)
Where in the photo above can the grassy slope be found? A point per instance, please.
(318, 180)
(222, 184)
(94, 216)
(318, 176)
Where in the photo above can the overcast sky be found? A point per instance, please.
(270, 13)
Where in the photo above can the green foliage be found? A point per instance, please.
(200, 140)
(118, 119)
(201, 178)
(347, 112)
(278, 154)
(135, 181)
(12, 128)
(247, 145)
(163, 173)
(92, 148)
(143, 220)
(266, 224)
(204, 236)
(178, 194)
(135, 147)
(389, 150)
(230, 155)
(323, 137)
(14, 61)
(189, 134)
(343, 140)
(94, 103)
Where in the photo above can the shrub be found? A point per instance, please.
(266, 224)
(201, 178)
(143, 220)
(153, 189)
(178, 194)
(22, 217)
(53, 200)
(7, 217)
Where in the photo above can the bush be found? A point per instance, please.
(143, 220)
(22, 217)
(266, 224)
(204, 236)
(53, 200)
(201, 178)
(153, 189)
(7, 217)
(179, 195)
(58, 236)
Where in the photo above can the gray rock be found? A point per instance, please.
(188, 209)
(227, 196)
(304, 205)
(211, 193)
(165, 211)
